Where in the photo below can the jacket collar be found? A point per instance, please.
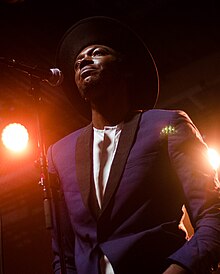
(84, 168)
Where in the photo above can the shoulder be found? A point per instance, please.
(163, 117)
(69, 138)
(164, 114)
(67, 143)
(160, 120)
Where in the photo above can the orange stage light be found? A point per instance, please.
(214, 158)
(15, 137)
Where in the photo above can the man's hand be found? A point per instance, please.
(175, 269)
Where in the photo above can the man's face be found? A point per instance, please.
(96, 67)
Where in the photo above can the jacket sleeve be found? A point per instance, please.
(188, 154)
(62, 232)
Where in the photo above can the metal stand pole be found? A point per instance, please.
(1, 248)
(44, 176)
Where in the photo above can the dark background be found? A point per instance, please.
(184, 38)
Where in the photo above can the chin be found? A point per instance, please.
(89, 88)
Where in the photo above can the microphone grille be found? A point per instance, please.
(56, 78)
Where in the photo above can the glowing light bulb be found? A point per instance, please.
(15, 137)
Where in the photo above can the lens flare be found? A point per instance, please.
(15, 137)
(214, 158)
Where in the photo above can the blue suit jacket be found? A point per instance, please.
(160, 164)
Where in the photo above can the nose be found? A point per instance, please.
(85, 61)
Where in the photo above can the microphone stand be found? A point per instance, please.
(44, 182)
(1, 248)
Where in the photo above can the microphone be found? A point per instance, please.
(52, 76)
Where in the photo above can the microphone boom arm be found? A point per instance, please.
(53, 76)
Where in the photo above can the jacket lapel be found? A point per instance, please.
(84, 156)
(125, 143)
(84, 169)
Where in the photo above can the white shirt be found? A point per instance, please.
(104, 147)
(105, 143)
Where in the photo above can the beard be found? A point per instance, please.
(89, 86)
(98, 85)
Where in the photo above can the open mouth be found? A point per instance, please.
(86, 72)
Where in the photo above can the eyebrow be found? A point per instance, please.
(81, 55)
(92, 49)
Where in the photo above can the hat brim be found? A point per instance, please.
(110, 32)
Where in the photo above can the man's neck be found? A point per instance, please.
(100, 121)
(109, 114)
(112, 108)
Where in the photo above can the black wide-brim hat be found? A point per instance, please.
(115, 34)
